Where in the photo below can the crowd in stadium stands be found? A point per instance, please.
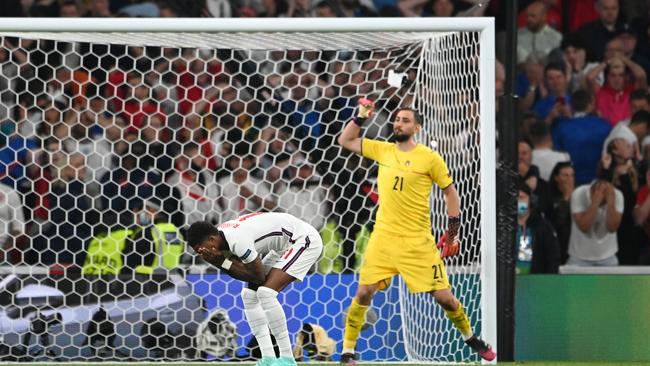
(584, 111)
(85, 150)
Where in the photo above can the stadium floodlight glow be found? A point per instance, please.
(298, 77)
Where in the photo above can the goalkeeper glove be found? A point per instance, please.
(448, 243)
(446, 248)
(366, 108)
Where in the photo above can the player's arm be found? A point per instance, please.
(243, 263)
(349, 139)
(252, 272)
(453, 201)
(453, 213)
(448, 243)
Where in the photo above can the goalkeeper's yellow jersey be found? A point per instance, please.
(404, 183)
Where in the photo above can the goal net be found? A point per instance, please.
(112, 143)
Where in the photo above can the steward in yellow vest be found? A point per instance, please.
(151, 243)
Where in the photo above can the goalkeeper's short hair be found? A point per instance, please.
(416, 115)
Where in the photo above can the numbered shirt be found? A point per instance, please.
(262, 232)
(404, 182)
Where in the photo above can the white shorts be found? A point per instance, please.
(298, 258)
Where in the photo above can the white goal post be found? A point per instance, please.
(449, 67)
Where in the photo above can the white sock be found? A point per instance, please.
(276, 319)
(257, 321)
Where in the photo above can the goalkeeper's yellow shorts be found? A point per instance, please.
(417, 259)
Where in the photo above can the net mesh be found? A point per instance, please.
(103, 133)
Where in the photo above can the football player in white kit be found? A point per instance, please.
(268, 250)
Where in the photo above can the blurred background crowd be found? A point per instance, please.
(96, 137)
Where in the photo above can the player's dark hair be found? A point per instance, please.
(199, 232)
(416, 115)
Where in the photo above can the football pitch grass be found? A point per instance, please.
(526, 363)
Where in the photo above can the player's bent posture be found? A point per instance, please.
(401, 242)
(269, 251)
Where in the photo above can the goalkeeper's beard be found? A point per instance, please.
(401, 137)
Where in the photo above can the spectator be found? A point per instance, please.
(557, 103)
(275, 147)
(71, 216)
(101, 152)
(597, 210)
(597, 33)
(530, 83)
(416, 8)
(140, 10)
(641, 219)
(154, 238)
(242, 193)
(160, 145)
(299, 9)
(138, 104)
(575, 57)
(633, 132)
(196, 85)
(529, 174)
(133, 180)
(12, 220)
(562, 184)
(639, 100)
(325, 9)
(537, 36)
(357, 8)
(196, 184)
(538, 250)
(69, 9)
(223, 9)
(582, 136)
(138, 246)
(619, 167)
(18, 154)
(544, 156)
(443, 8)
(356, 200)
(99, 9)
(628, 38)
(553, 14)
(305, 196)
(613, 99)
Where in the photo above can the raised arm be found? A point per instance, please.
(592, 76)
(640, 79)
(613, 216)
(349, 139)
(585, 220)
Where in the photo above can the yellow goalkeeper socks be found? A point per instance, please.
(355, 319)
(460, 320)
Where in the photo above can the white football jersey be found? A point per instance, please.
(259, 233)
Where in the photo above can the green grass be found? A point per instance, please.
(531, 363)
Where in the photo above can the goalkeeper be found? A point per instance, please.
(401, 242)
